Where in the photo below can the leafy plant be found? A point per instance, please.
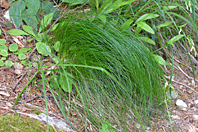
(8, 63)
(97, 62)
(13, 47)
(106, 127)
(27, 10)
(41, 47)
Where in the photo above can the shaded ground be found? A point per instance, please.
(29, 102)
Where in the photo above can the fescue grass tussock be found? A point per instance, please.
(112, 74)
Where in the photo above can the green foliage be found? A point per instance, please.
(1, 63)
(27, 10)
(4, 52)
(2, 41)
(13, 47)
(43, 49)
(101, 64)
(17, 32)
(97, 62)
(106, 127)
(8, 63)
(75, 2)
(22, 57)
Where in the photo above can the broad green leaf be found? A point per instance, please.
(15, 12)
(20, 51)
(13, 47)
(166, 24)
(138, 30)
(41, 35)
(3, 58)
(3, 47)
(22, 57)
(174, 39)
(33, 5)
(45, 21)
(102, 18)
(65, 83)
(57, 46)
(17, 32)
(2, 41)
(160, 60)
(75, 2)
(30, 18)
(48, 7)
(168, 7)
(146, 27)
(30, 40)
(113, 7)
(1, 63)
(28, 29)
(8, 63)
(105, 5)
(127, 24)
(54, 81)
(43, 49)
(148, 40)
(126, 2)
(54, 27)
(146, 17)
(4, 53)
(24, 62)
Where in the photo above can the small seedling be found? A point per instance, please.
(22, 57)
(2, 41)
(4, 53)
(13, 47)
(1, 63)
(8, 63)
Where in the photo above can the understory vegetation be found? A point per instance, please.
(108, 56)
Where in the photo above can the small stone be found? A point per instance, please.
(181, 103)
(195, 117)
(137, 125)
(9, 104)
(175, 117)
(7, 16)
(18, 66)
(4, 93)
(18, 72)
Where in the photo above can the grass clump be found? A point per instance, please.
(105, 75)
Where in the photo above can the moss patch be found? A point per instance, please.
(15, 123)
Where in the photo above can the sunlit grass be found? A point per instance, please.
(113, 76)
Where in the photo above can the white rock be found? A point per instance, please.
(6, 15)
(175, 117)
(137, 125)
(18, 66)
(196, 101)
(4, 93)
(195, 117)
(181, 103)
(18, 72)
(60, 125)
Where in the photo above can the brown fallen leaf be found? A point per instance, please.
(5, 3)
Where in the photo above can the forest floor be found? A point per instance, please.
(11, 84)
